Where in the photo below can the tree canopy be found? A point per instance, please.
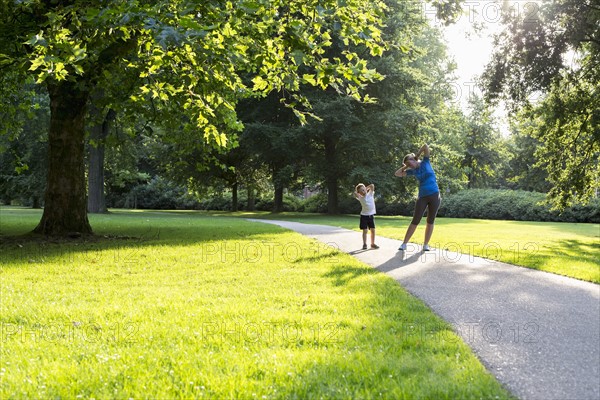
(547, 65)
(187, 55)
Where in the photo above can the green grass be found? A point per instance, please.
(570, 249)
(185, 305)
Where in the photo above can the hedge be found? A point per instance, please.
(472, 203)
(516, 205)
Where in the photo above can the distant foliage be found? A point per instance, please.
(223, 202)
(513, 205)
(403, 206)
(497, 204)
(157, 194)
(315, 204)
(290, 203)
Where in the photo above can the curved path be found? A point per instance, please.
(538, 333)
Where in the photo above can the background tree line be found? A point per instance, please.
(146, 156)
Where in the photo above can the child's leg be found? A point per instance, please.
(372, 236)
(365, 236)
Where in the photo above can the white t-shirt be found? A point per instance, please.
(367, 203)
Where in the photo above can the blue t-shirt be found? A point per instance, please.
(426, 177)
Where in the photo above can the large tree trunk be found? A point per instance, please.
(332, 196)
(278, 185)
(98, 133)
(96, 200)
(331, 178)
(65, 211)
(278, 200)
(234, 197)
(251, 198)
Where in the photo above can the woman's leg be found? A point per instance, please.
(428, 233)
(409, 232)
(433, 205)
(418, 214)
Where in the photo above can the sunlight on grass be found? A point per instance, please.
(179, 305)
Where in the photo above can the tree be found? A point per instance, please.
(335, 143)
(483, 146)
(448, 147)
(524, 172)
(270, 139)
(365, 142)
(187, 56)
(552, 54)
(99, 131)
(23, 152)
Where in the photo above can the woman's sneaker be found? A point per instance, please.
(402, 247)
(426, 247)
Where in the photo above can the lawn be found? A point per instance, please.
(187, 305)
(570, 249)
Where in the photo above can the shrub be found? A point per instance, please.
(404, 206)
(349, 204)
(315, 204)
(160, 194)
(512, 205)
(290, 203)
(223, 202)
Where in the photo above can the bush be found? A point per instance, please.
(160, 194)
(349, 205)
(224, 202)
(315, 204)
(403, 206)
(290, 203)
(512, 205)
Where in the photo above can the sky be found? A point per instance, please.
(471, 48)
(471, 52)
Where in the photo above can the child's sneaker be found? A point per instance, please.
(426, 247)
(374, 246)
(402, 247)
(364, 246)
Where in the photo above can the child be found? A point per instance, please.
(364, 194)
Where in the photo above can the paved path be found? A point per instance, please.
(538, 333)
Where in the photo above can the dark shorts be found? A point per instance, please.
(367, 222)
(430, 203)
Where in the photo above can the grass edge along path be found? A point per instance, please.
(568, 249)
(219, 308)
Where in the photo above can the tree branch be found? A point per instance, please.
(117, 50)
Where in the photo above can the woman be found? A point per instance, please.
(429, 193)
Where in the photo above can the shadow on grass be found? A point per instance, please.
(587, 251)
(585, 256)
(126, 235)
(341, 275)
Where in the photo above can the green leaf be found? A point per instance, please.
(259, 84)
(309, 78)
(37, 63)
(298, 56)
